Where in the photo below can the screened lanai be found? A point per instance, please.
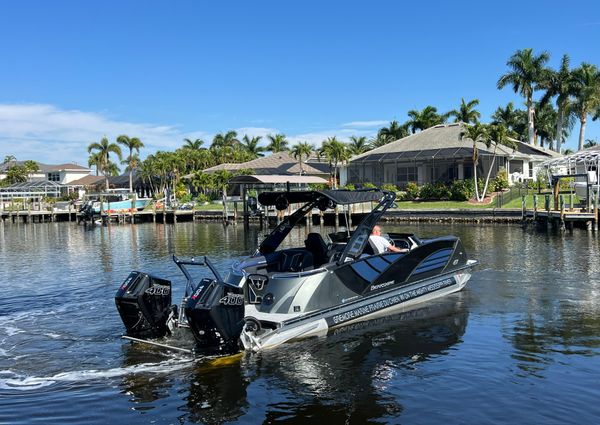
(32, 191)
(441, 154)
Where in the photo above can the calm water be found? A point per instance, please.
(520, 344)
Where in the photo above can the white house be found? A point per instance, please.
(62, 173)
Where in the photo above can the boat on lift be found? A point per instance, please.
(279, 295)
(114, 201)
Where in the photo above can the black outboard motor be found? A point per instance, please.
(215, 313)
(144, 303)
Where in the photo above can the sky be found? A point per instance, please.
(72, 72)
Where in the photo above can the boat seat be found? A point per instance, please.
(368, 249)
(295, 260)
(318, 248)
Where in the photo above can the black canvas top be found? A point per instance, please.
(340, 197)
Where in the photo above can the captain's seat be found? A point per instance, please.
(316, 245)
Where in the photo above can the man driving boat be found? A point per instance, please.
(381, 244)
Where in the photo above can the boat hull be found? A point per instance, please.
(365, 308)
(121, 206)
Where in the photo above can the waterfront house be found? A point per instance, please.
(50, 181)
(438, 154)
(61, 173)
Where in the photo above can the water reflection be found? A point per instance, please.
(345, 376)
(533, 334)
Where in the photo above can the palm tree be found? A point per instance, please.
(587, 95)
(104, 149)
(424, 119)
(560, 84)
(300, 150)
(476, 133)
(507, 116)
(250, 144)
(9, 158)
(131, 143)
(278, 143)
(498, 135)
(545, 127)
(95, 160)
(336, 153)
(195, 144)
(392, 133)
(526, 71)
(589, 143)
(466, 112)
(228, 139)
(358, 145)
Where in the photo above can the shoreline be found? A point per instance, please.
(495, 215)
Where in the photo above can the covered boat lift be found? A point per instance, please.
(584, 168)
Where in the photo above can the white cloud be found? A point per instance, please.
(51, 135)
(367, 124)
(48, 134)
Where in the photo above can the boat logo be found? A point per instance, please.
(158, 290)
(257, 284)
(382, 285)
(232, 299)
(258, 281)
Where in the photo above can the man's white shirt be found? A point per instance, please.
(379, 244)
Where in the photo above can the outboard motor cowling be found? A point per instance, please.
(215, 313)
(144, 303)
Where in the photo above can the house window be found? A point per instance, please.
(354, 174)
(54, 177)
(468, 172)
(378, 174)
(405, 175)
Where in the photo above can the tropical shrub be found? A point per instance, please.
(434, 191)
(401, 196)
(389, 187)
(565, 184)
(462, 190)
(411, 191)
(202, 198)
(185, 198)
(500, 182)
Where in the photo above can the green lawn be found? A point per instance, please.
(416, 205)
(440, 205)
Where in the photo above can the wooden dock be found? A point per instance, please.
(560, 212)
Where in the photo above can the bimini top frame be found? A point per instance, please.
(325, 199)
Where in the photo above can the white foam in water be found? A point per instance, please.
(12, 381)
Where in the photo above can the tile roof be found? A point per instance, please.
(444, 141)
(44, 168)
(277, 163)
(87, 181)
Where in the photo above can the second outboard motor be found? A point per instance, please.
(144, 303)
(215, 313)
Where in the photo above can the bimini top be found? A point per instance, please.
(339, 197)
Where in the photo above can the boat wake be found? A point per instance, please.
(10, 380)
